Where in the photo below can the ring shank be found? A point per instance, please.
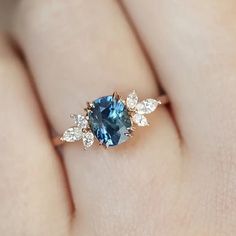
(56, 141)
(163, 99)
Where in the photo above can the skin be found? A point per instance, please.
(176, 177)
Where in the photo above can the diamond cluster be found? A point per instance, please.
(81, 130)
(140, 109)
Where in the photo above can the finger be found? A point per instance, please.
(32, 190)
(192, 45)
(81, 50)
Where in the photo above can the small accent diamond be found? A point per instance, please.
(88, 139)
(80, 120)
(140, 120)
(147, 106)
(72, 134)
(132, 100)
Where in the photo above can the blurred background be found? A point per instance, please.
(6, 10)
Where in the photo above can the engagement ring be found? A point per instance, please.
(110, 119)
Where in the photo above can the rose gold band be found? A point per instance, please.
(163, 99)
(57, 141)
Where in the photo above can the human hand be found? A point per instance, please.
(177, 177)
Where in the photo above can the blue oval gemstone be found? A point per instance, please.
(109, 121)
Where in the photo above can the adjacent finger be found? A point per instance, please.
(33, 194)
(192, 45)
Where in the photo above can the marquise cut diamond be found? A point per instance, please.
(132, 100)
(72, 134)
(140, 120)
(80, 120)
(88, 139)
(147, 106)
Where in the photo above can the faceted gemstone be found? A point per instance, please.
(140, 120)
(72, 134)
(132, 100)
(147, 106)
(80, 121)
(88, 139)
(109, 121)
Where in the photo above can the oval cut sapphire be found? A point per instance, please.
(109, 121)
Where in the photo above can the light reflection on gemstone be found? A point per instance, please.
(109, 121)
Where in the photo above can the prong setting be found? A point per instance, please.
(116, 96)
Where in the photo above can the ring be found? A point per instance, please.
(110, 119)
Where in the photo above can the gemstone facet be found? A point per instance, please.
(109, 121)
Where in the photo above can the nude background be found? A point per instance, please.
(5, 12)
